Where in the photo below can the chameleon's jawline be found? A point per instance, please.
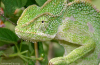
(34, 36)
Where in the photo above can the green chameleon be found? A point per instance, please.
(75, 25)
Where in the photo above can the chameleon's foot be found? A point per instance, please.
(58, 61)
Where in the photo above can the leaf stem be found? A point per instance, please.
(31, 58)
(36, 52)
(20, 46)
(8, 20)
(24, 52)
(13, 55)
(24, 58)
(17, 47)
(18, 54)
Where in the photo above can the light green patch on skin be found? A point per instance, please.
(76, 26)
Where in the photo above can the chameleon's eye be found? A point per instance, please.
(42, 21)
(41, 24)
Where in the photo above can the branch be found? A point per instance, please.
(36, 52)
(8, 20)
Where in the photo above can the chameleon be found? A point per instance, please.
(75, 25)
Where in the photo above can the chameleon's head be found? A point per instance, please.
(40, 23)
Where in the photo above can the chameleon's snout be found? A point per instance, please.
(33, 36)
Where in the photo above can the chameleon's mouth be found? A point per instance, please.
(17, 30)
(33, 36)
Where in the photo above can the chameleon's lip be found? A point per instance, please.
(16, 29)
(34, 33)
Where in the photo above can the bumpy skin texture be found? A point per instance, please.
(30, 26)
(76, 26)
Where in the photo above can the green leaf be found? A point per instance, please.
(42, 54)
(31, 48)
(57, 46)
(12, 5)
(40, 2)
(8, 36)
(23, 46)
(2, 43)
(11, 61)
(30, 2)
(31, 62)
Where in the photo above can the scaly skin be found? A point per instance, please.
(76, 24)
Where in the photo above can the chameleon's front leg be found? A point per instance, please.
(74, 55)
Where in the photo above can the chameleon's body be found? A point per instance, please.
(77, 24)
